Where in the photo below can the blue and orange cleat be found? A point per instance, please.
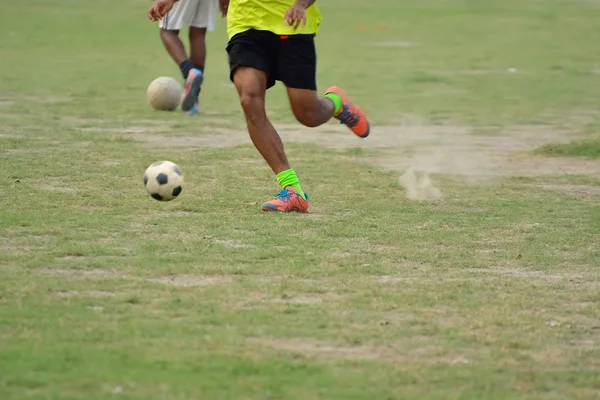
(287, 200)
(350, 115)
(191, 90)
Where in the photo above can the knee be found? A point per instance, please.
(195, 32)
(253, 106)
(165, 33)
(197, 35)
(307, 117)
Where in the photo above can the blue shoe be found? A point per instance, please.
(191, 90)
(194, 110)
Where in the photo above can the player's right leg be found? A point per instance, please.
(170, 26)
(251, 85)
(200, 17)
(175, 20)
(251, 62)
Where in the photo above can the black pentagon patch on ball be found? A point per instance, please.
(162, 179)
(145, 180)
(156, 164)
(156, 196)
(177, 170)
(177, 190)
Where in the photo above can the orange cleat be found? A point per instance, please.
(286, 201)
(191, 90)
(350, 115)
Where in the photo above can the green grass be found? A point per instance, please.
(579, 148)
(490, 293)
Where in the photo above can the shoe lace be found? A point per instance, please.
(284, 195)
(348, 118)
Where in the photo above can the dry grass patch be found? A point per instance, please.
(191, 280)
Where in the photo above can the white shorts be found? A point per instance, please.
(196, 13)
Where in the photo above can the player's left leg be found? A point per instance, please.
(312, 110)
(297, 69)
(197, 37)
(198, 47)
(309, 109)
(203, 14)
(176, 49)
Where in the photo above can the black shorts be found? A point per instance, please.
(290, 59)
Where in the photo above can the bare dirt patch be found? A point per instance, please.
(423, 147)
(81, 273)
(191, 280)
(419, 149)
(86, 293)
(458, 151)
(530, 275)
(111, 163)
(220, 138)
(172, 280)
(515, 273)
(230, 243)
(572, 189)
(313, 347)
(26, 151)
(127, 129)
(8, 135)
(54, 184)
(261, 299)
(394, 353)
(299, 300)
(56, 188)
(36, 99)
(182, 213)
(16, 242)
(233, 244)
(306, 298)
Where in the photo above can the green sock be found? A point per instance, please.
(288, 178)
(337, 101)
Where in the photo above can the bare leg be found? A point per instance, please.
(251, 85)
(198, 46)
(309, 109)
(174, 45)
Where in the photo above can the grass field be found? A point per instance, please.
(445, 257)
(582, 148)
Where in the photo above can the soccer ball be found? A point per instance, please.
(164, 93)
(163, 180)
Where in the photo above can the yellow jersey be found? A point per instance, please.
(267, 15)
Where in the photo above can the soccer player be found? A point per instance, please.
(273, 40)
(199, 16)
